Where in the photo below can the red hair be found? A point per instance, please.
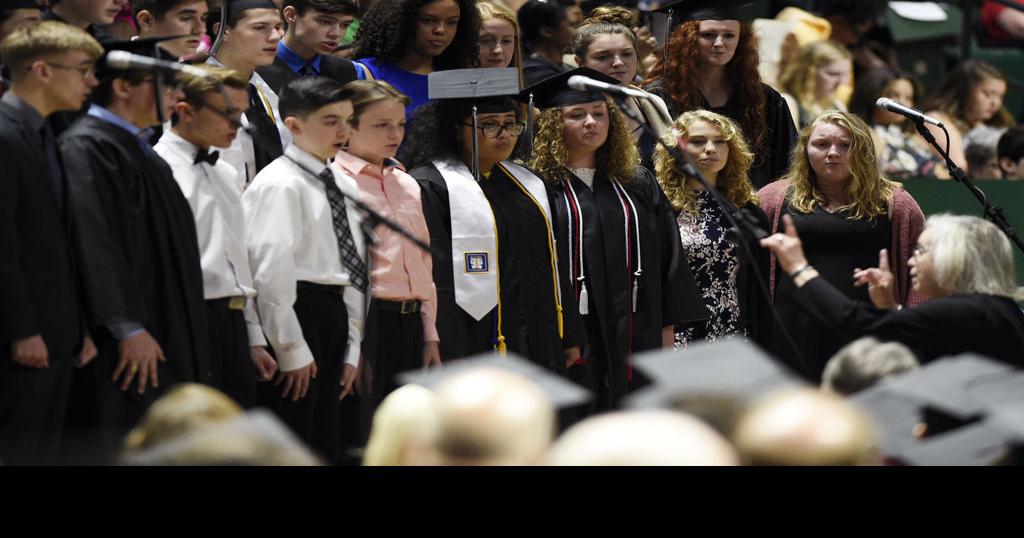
(686, 70)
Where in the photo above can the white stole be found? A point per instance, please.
(474, 244)
(533, 184)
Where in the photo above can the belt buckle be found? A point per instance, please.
(237, 303)
(408, 307)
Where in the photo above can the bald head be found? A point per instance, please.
(805, 427)
(489, 416)
(650, 437)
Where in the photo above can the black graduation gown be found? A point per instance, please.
(529, 321)
(989, 325)
(136, 241)
(772, 162)
(667, 293)
(277, 75)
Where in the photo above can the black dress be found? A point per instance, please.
(835, 246)
(666, 293)
(528, 304)
(772, 161)
(723, 272)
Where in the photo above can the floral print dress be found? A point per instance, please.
(713, 259)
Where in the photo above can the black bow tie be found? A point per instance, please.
(207, 156)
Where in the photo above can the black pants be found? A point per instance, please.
(232, 370)
(316, 417)
(393, 344)
(32, 408)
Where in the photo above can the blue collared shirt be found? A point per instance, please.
(142, 135)
(294, 61)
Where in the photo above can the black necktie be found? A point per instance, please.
(266, 140)
(307, 70)
(53, 163)
(350, 258)
(207, 156)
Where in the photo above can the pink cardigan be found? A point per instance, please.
(907, 222)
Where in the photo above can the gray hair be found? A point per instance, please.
(972, 255)
(864, 362)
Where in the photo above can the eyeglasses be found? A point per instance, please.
(493, 130)
(232, 115)
(86, 71)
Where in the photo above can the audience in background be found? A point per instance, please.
(1010, 151)
(980, 151)
(813, 78)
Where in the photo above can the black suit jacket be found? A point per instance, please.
(278, 74)
(37, 277)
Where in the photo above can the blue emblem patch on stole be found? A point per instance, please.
(476, 262)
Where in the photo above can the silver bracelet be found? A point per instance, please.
(799, 270)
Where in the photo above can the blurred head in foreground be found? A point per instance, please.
(647, 437)
(404, 426)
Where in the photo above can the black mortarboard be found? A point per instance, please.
(942, 413)
(146, 46)
(728, 367)
(482, 91)
(555, 91)
(562, 393)
(702, 10)
(11, 5)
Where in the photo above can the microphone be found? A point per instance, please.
(122, 60)
(896, 108)
(582, 83)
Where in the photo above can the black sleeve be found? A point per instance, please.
(752, 280)
(681, 302)
(17, 313)
(111, 291)
(782, 134)
(828, 305)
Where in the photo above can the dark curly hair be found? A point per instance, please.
(685, 71)
(435, 128)
(389, 28)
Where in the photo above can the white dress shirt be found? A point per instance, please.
(216, 201)
(240, 154)
(291, 239)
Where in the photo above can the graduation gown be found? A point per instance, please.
(666, 291)
(527, 295)
(136, 241)
(772, 161)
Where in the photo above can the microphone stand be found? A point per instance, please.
(993, 213)
(745, 228)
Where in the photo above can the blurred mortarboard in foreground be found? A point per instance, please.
(729, 366)
(11, 5)
(562, 393)
(144, 46)
(954, 411)
(702, 10)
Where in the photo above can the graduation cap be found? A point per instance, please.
(11, 5)
(562, 393)
(484, 90)
(555, 91)
(727, 367)
(146, 46)
(942, 413)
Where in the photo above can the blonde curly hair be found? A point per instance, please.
(732, 179)
(868, 191)
(617, 158)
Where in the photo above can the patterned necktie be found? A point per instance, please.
(207, 156)
(350, 257)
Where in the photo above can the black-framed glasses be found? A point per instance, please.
(85, 71)
(232, 115)
(493, 130)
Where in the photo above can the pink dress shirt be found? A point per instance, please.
(401, 271)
